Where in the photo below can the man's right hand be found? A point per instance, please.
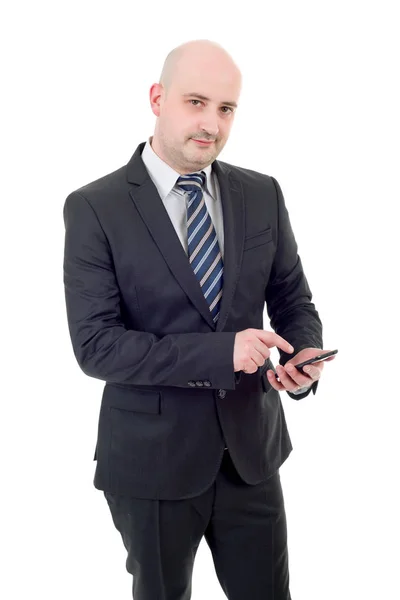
(252, 348)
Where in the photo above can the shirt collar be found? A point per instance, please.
(165, 177)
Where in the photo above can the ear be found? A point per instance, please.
(156, 96)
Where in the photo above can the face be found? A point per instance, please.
(198, 106)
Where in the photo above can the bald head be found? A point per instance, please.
(195, 54)
(195, 100)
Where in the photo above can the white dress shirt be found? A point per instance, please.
(164, 178)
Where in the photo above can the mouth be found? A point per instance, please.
(203, 142)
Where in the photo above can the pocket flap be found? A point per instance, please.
(132, 398)
(259, 238)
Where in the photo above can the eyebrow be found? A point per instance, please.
(207, 99)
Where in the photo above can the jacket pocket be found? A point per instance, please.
(264, 379)
(132, 399)
(258, 239)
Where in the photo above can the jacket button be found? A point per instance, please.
(207, 383)
(199, 383)
(191, 383)
(221, 393)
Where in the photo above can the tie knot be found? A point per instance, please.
(192, 182)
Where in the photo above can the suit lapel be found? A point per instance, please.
(154, 214)
(233, 215)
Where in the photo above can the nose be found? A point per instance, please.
(209, 125)
(209, 132)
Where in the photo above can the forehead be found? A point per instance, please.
(210, 74)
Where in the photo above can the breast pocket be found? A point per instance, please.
(258, 239)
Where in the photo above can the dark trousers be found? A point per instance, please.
(244, 527)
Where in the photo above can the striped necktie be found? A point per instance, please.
(203, 248)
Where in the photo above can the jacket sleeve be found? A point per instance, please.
(104, 348)
(288, 295)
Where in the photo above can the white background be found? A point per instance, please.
(320, 112)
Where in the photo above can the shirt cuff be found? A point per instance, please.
(301, 390)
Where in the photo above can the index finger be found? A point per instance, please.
(273, 339)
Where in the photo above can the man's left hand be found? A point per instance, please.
(291, 379)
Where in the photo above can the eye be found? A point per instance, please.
(225, 112)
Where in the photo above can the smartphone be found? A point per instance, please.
(318, 358)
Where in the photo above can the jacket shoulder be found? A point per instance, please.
(101, 187)
(247, 175)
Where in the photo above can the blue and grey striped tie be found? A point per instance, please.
(203, 248)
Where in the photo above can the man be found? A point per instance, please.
(168, 264)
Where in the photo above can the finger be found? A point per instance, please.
(313, 372)
(300, 378)
(289, 384)
(270, 339)
(256, 357)
(253, 362)
(273, 381)
(262, 349)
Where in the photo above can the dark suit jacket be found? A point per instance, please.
(138, 320)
